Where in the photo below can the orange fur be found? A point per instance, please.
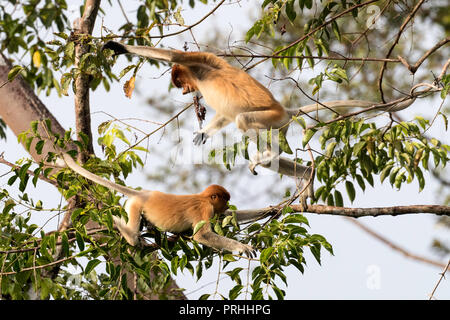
(178, 213)
(232, 93)
(182, 78)
(175, 213)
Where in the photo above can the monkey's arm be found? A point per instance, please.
(216, 123)
(201, 59)
(207, 237)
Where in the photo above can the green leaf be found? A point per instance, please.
(266, 254)
(315, 250)
(226, 221)
(249, 35)
(420, 178)
(386, 172)
(65, 244)
(284, 145)
(300, 121)
(235, 291)
(13, 72)
(90, 266)
(330, 149)
(307, 136)
(336, 31)
(39, 146)
(350, 190)
(197, 226)
(308, 53)
(174, 264)
(229, 257)
(80, 241)
(69, 50)
(290, 11)
(338, 199)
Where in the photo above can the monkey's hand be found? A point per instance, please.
(200, 138)
(246, 249)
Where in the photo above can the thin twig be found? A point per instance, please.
(440, 279)
(315, 30)
(275, 56)
(402, 28)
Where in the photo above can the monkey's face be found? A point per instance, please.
(218, 196)
(182, 78)
(219, 203)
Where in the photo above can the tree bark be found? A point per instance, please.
(19, 106)
(83, 27)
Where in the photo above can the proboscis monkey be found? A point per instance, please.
(169, 212)
(237, 97)
(234, 94)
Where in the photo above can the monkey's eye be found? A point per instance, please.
(214, 197)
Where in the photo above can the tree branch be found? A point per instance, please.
(393, 246)
(83, 27)
(256, 214)
(40, 176)
(416, 66)
(399, 34)
(343, 58)
(315, 30)
(440, 279)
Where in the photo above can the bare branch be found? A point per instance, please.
(399, 34)
(393, 246)
(256, 214)
(416, 66)
(254, 56)
(440, 279)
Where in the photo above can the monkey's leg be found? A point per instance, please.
(130, 230)
(216, 123)
(256, 125)
(291, 168)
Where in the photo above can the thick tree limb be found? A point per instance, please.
(84, 26)
(19, 106)
(255, 214)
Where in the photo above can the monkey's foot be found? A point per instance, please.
(200, 138)
(252, 167)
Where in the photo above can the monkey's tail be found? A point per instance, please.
(143, 51)
(332, 105)
(93, 177)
